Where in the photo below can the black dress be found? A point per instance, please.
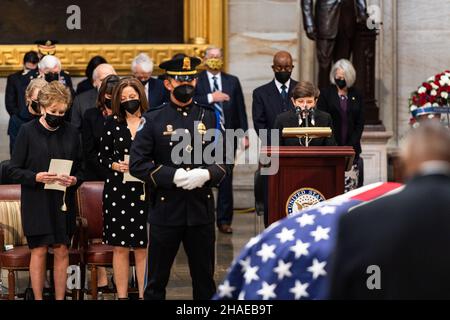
(124, 212)
(42, 219)
(91, 132)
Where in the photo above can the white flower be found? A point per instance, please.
(446, 79)
(412, 108)
(430, 79)
(422, 90)
(444, 94)
(428, 104)
(435, 105)
(433, 92)
(442, 82)
(434, 86)
(447, 74)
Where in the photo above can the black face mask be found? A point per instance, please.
(51, 76)
(183, 93)
(283, 76)
(341, 83)
(35, 106)
(131, 105)
(108, 103)
(144, 82)
(54, 121)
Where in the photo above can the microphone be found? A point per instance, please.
(305, 116)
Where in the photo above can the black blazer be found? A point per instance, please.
(289, 119)
(268, 104)
(157, 93)
(234, 110)
(82, 102)
(15, 102)
(406, 234)
(329, 102)
(84, 86)
(91, 131)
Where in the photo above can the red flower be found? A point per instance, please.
(427, 86)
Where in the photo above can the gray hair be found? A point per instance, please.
(100, 66)
(144, 61)
(213, 48)
(349, 72)
(49, 62)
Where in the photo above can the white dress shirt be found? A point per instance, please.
(146, 90)
(279, 84)
(211, 84)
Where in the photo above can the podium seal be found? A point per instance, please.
(303, 198)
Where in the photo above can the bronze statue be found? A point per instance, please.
(333, 26)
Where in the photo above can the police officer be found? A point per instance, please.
(182, 206)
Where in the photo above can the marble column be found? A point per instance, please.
(257, 30)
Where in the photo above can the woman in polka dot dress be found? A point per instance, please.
(124, 203)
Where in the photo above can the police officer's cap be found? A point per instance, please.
(181, 67)
(46, 47)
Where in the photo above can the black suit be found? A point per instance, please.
(268, 104)
(91, 131)
(407, 235)
(234, 110)
(81, 103)
(329, 102)
(235, 118)
(84, 86)
(16, 104)
(289, 119)
(157, 93)
(66, 79)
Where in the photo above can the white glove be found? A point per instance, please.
(196, 178)
(180, 177)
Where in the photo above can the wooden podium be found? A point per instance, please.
(316, 171)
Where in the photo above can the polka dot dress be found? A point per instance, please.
(124, 213)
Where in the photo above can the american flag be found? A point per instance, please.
(290, 259)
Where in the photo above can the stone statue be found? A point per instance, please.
(333, 25)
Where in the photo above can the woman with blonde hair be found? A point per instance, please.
(48, 216)
(31, 96)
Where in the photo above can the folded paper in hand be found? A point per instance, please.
(127, 177)
(60, 167)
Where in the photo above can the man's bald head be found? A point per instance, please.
(282, 57)
(282, 66)
(101, 72)
(429, 142)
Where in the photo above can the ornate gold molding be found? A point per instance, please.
(205, 24)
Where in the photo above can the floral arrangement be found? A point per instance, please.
(432, 97)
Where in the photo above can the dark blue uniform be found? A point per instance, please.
(177, 215)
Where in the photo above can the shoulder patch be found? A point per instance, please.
(141, 124)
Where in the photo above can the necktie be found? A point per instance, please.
(284, 92)
(218, 105)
